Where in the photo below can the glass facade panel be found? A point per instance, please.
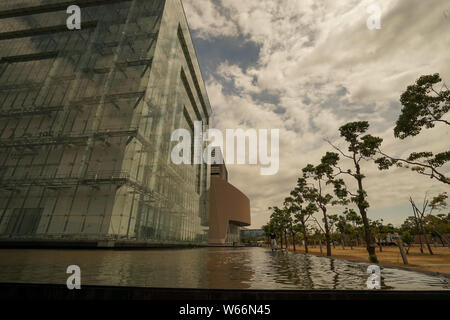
(233, 234)
(86, 118)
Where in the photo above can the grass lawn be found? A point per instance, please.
(439, 262)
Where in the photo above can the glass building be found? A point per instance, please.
(86, 118)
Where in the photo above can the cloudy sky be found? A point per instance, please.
(307, 67)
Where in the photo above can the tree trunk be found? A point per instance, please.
(367, 232)
(446, 239)
(418, 224)
(285, 240)
(368, 236)
(293, 240)
(416, 220)
(305, 239)
(426, 238)
(327, 232)
(402, 251)
(421, 244)
(440, 238)
(419, 219)
(320, 244)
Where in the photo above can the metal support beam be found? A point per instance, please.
(44, 30)
(29, 57)
(21, 12)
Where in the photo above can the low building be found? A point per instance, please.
(252, 234)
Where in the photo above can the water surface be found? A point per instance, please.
(215, 268)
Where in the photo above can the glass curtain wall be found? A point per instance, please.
(86, 118)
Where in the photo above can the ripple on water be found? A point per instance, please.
(228, 268)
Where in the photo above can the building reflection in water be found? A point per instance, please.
(209, 268)
(229, 271)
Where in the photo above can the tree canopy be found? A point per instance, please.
(423, 106)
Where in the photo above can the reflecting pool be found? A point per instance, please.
(215, 268)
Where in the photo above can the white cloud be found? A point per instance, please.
(204, 16)
(326, 68)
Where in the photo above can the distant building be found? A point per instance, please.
(229, 208)
(252, 233)
(219, 170)
(443, 240)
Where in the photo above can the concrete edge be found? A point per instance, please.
(23, 291)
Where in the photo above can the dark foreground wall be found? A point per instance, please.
(60, 292)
